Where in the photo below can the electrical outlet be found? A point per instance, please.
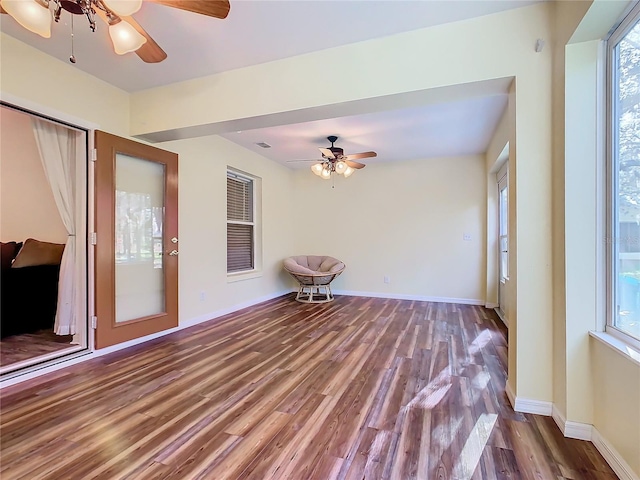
(387, 279)
(203, 296)
(466, 237)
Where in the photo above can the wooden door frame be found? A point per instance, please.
(107, 146)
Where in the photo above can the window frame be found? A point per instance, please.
(242, 274)
(628, 22)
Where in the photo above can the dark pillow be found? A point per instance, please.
(7, 253)
(34, 252)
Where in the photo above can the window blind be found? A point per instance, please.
(240, 244)
(239, 199)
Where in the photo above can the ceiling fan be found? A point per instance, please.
(334, 160)
(126, 34)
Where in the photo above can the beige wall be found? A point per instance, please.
(202, 206)
(48, 83)
(617, 401)
(202, 180)
(501, 46)
(27, 207)
(592, 383)
(404, 220)
(548, 356)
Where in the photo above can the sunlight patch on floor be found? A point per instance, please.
(473, 447)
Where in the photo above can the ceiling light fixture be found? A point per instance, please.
(35, 16)
(334, 160)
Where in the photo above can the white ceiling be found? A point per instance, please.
(266, 30)
(254, 32)
(442, 130)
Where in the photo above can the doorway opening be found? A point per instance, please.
(43, 230)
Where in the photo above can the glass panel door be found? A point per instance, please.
(137, 240)
(139, 222)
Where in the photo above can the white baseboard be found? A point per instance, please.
(537, 407)
(419, 298)
(613, 458)
(585, 431)
(502, 316)
(527, 405)
(559, 418)
(88, 355)
(570, 429)
(578, 430)
(490, 305)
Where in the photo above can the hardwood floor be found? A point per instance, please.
(30, 345)
(358, 388)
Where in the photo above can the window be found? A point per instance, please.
(240, 222)
(624, 179)
(503, 214)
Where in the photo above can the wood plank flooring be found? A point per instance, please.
(360, 388)
(17, 348)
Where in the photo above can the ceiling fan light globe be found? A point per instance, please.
(341, 167)
(123, 8)
(348, 171)
(326, 174)
(125, 38)
(33, 15)
(317, 168)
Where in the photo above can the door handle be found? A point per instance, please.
(173, 253)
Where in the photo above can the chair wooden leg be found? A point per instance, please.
(314, 294)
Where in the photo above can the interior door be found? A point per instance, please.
(136, 240)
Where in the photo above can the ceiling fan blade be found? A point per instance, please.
(356, 165)
(356, 156)
(2, 10)
(210, 8)
(150, 51)
(327, 153)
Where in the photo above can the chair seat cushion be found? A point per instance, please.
(313, 265)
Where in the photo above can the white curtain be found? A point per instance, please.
(60, 148)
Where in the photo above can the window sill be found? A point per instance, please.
(618, 346)
(238, 277)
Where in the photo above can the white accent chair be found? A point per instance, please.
(314, 274)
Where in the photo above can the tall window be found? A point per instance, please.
(240, 223)
(624, 179)
(503, 214)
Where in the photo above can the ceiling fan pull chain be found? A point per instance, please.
(72, 58)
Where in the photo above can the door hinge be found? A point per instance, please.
(94, 154)
(93, 238)
(94, 322)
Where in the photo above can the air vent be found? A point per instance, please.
(263, 145)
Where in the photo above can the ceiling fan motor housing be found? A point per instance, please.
(72, 6)
(337, 152)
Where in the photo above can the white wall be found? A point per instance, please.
(404, 220)
(27, 207)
